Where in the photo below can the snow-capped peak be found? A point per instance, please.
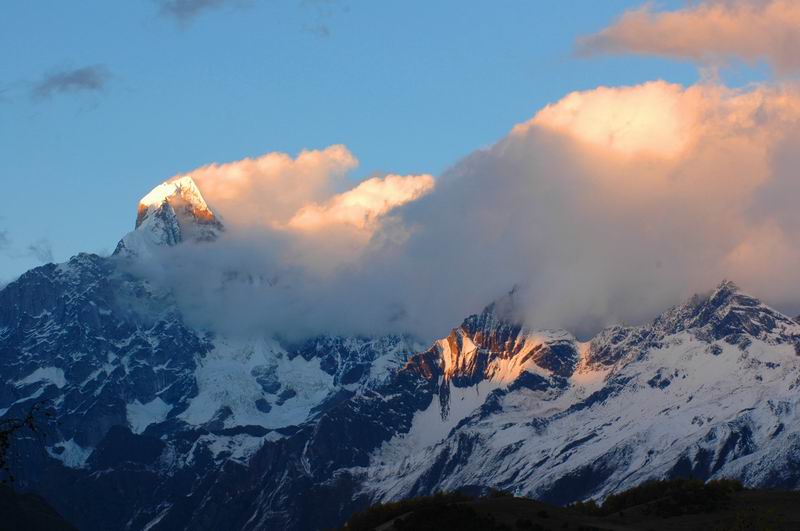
(179, 185)
(726, 311)
(180, 190)
(172, 212)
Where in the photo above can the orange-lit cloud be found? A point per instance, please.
(322, 220)
(614, 203)
(655, 118)
(666, 120)
(270, 189)
(324, 237)
(711, 31)
(276, 191)
(606, 206)
(364, 204)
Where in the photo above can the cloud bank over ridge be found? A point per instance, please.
(607, 206)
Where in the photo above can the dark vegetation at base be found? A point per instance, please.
(460, 517)
(676, 504)
(422, 511)
(667, 498)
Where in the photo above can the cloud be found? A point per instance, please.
(186, 10)
(654, 118)
(42, 250)
(297, 227)
(365, 204)
(306, 205)
(5, 241)
(321, 11)
(267, 191)
(607, 206)
(711, 31)
(326, 237)
(86, 79)
(606, 211)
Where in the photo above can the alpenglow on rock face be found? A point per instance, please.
(162, 426)
(173, 212)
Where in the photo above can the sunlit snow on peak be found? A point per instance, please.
(183, 186)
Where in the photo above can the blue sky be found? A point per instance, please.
(409, 87)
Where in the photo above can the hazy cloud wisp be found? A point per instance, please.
(86, 79)
(42, 250)
(186, 10)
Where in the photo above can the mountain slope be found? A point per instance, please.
(706, 390)
(541, 415)
(143, 398)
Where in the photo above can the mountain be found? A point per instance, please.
(171, 213)
(161, 425)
